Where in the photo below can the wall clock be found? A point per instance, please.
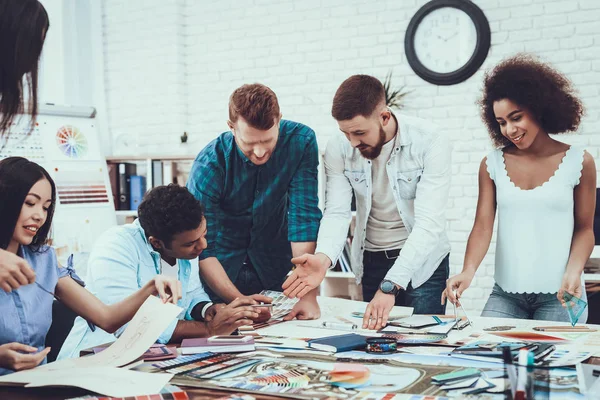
(447, 41)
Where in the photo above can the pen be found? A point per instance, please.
(339, 325)
(510, 369)
(578, 328)
(267, 305)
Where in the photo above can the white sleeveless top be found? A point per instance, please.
(535, 227)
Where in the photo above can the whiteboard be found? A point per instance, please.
(66, 143)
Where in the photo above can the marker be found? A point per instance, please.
(339, 325)
(522, 374)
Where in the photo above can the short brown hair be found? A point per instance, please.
(537, 86)
(256, 103)
(357, 95)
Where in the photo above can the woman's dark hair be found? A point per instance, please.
(23, 27)
(169, 210)
(17, 176)
(536, 86)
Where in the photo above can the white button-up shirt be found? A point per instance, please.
(419, 175)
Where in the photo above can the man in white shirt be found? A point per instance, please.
(399, 170)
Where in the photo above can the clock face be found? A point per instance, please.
(445, 40)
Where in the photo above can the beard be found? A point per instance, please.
(372, 152)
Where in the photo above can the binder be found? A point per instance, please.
(125, 172)
(157, 173)
(113, 177)
(137, 188)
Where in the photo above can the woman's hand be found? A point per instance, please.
(168, 289)
(458, 283)
(17, 356)
(571, 284)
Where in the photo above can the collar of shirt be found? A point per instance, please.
(183, 264)
(401, 139)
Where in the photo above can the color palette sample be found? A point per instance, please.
(415, 339)
(282, 305)
(274, 381)
(530, 337)
(81, 186)
(204, 365)
(71, 142)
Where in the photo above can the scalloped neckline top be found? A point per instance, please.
(562, 161)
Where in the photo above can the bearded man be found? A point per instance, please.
(399, 170)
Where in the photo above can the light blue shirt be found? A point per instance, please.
(122, 262)
(26, 313)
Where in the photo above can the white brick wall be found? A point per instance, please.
(172, 64)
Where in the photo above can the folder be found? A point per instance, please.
(125, 172)
(137, 188)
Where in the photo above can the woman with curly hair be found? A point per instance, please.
(544, 192)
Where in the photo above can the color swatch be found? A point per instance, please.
(415, 339)
(71, 142)
(204, 365)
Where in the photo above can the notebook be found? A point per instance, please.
(339, 343)
(201, 345)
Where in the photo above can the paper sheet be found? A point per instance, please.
(149, 322)
(123, 382)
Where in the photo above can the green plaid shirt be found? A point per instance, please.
(256, 211)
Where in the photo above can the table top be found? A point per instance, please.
(306, 329)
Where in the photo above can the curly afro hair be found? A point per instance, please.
(169, 210)
(536, 86)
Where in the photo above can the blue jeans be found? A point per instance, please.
(541, 306)
(425, 299)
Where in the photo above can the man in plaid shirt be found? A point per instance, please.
(258, 182)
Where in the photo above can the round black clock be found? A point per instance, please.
(447, 41)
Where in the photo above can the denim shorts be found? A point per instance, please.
(540, 306)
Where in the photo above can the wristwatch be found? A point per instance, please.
(389, 287)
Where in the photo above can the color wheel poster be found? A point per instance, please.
(68, 147)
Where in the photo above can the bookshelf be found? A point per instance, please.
(154, 170)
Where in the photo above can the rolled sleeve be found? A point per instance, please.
(206, 184)
(338, 199)
(430, 212)
(304, 213)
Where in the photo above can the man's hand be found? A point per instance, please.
(14, 356)
(571, 283)
(14, 272)
(307, 308)
(378, 310)
(308, 275)
(264, 313)
(212, 311)
(228, 318)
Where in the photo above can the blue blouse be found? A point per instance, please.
(27, 312)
